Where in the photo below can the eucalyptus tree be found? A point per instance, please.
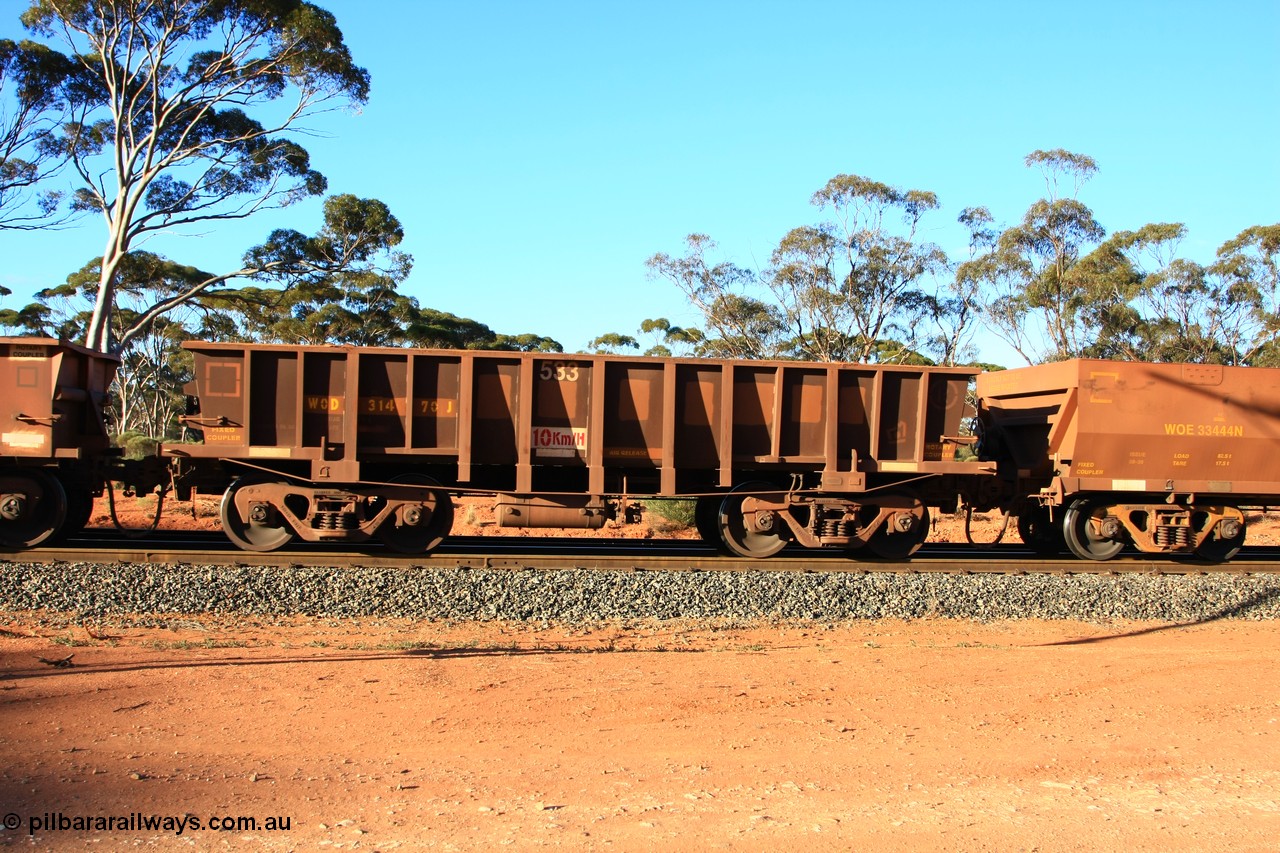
(669, 339)
(1142, 303)
(1038, 298)
(525, 342)
(1247, 274)
(611, 343)
(847, 285)
(359, 309)
(1148, 304)
(666, 339)
(852, 288)
(163, 137)
(1187, 316)
(149, 387)
(954, 309)
(738, 324)
(429, 327)
(36, 91)
(440, 329)
(350, 262)
(337, 288)
(147, 393)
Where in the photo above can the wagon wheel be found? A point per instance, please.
(79, 510)
(1039, 532)
(33, 508)
(706, 519)
(900, 544)
(747, 541)
(263, 529)
(434, 520)
(1082, 529)
(1218, 550)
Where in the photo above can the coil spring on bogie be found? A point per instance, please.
(1171, 536)
(836, 527)
(335, 521)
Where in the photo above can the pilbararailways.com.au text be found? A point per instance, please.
(137, 822)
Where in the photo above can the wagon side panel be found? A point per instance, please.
(1135, 427)
(52, 398)
(1179, 427)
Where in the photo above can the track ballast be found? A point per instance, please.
(564, 581)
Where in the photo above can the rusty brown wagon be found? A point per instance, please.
(53, 434)
(1103, 454)
(352, 444)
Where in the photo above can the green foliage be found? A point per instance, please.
(527, 342)
(861, 286)
(338, 285)
(34, 319)
(854, 288)
(668, 339)
(36, 85)
(611, 342)
(1058, 164)
(431, 328)
(738, 324)
(135, 445)
(1057, 287)
(677, 513)
(427, 327)
(848, 284)
(161, 132)
(665, 339)
(1247, 274)
(1051, 284)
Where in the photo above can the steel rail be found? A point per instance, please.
(547, 554)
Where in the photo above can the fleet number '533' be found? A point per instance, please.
(561, 371)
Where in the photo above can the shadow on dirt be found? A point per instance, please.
(11, 670)
(1234, 611)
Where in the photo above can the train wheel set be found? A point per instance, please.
(33, 508)
(413, 515)
(1094, 529)
(408, 515)
(372, 445)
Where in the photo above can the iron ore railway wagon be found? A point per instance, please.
(1104, 454)
(349, 444)
(343, 443)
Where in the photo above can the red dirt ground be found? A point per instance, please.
(386, 735)
(887, 735)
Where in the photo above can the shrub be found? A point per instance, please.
(678, 513)
(136, 445)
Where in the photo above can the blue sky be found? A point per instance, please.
(538, 153)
